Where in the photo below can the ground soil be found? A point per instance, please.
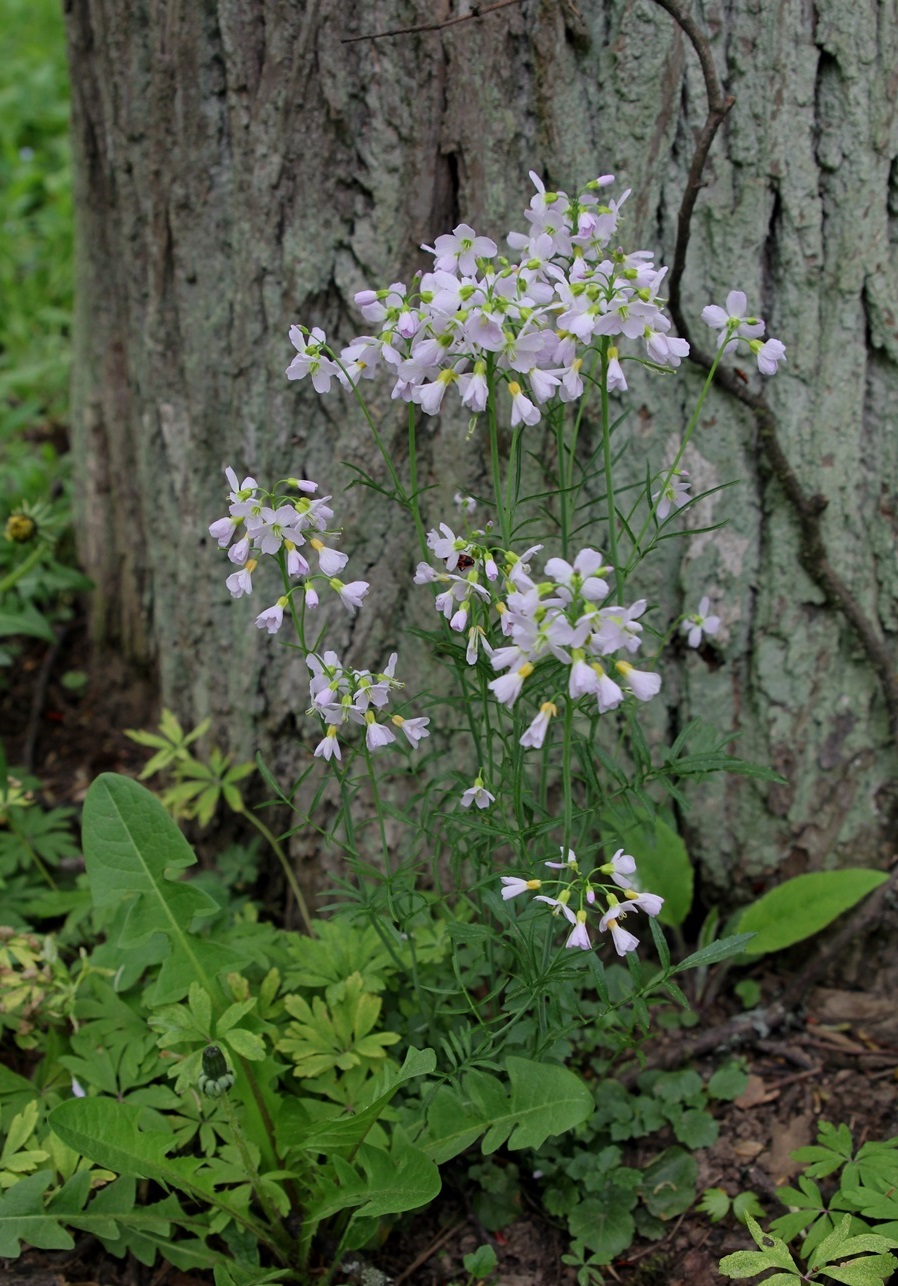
(828, 1051)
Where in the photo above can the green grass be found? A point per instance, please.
(35, 246)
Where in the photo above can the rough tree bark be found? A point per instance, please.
(242, 165)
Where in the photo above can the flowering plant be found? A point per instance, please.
(547, 649)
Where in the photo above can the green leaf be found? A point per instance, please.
(668, 1183)
(27, 621)
(480, 1262)
(803, 906)
(133, 851)
(715, 1203)
(695, 1128)
(245, 1044)
(714, 952)
(23, 1218)
(543, 1099)
(110, 1134)
(605, 1225)
(394, 1181)
(728, 1082)
(749, 1263)
(349, 1131)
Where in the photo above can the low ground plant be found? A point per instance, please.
(277, 1099)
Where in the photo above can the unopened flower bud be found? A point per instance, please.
(20, 529)
(216, 1077)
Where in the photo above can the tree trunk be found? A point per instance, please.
(246, 164)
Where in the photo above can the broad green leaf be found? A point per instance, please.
(133, 851)
(606, 1226)
(398, 1180)
(543, 1099)
(803, 906)
(668, 1183)
(109, 1133)
(728, 1082)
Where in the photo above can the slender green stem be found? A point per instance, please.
(690, 429)
(619, 577)
(287, 868)
(23, 568)
(495, 466)
(413, 480)
(252, 1173)
(567, 784)
(564, 498)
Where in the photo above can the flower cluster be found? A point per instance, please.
(531, 322)
(580, 892)
(342, 695)
(734, 325)
(288, 529)
(563, 618)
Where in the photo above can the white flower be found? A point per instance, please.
(331, 561)
(673, 495)
(620, 868)
(459, 250)
(535, 735)
(769, 354)
(616, 380)
(522, 409)
(514, 886)
(222, 530)
(568, 862)
(272, 618)
(329, 748)
(583, 677)
(474, 391)
(377, 734)
(296, 563)
(476, 640)
(624, 941)
(240, 583)
(425, 574)
(414, 729)
(608, 693)
(310, 360)
(507, 688)
(700, 623)
(618, 628)
(731, 321)
(651, 903)
(583, 576)
(579, 936)
(239, 553)
(351, 595)
(465, 504)
(477, 794)
(643, 685)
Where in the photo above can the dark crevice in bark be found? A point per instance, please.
(806, 509)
